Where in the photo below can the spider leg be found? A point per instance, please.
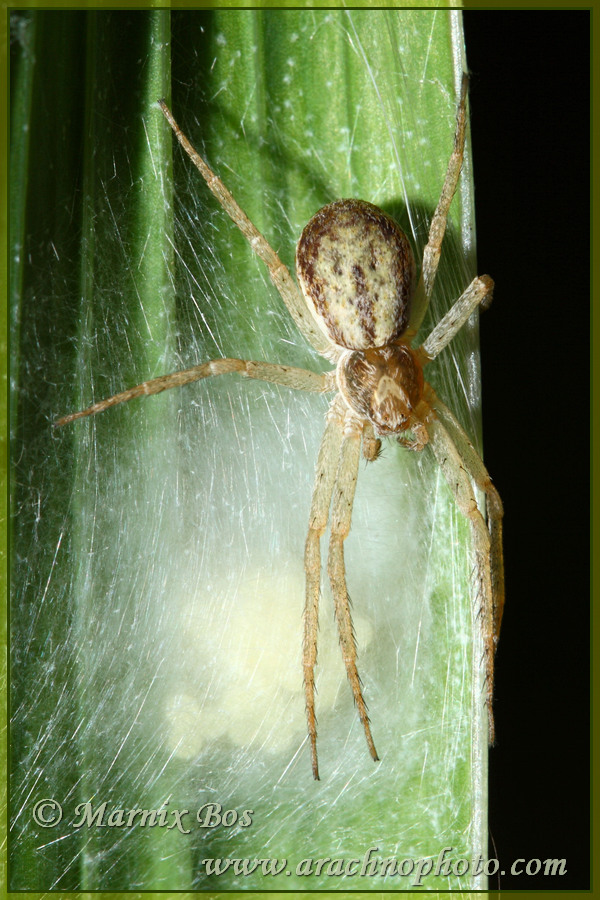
(480, 475)
(437, 229)
(279, 273)
(288, 376)
(319, 514)
(479, 291)
(452, 465)
(341, 514)
(371, 444)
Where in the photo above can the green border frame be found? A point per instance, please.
(594, 336)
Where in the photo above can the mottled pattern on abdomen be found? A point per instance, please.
(356, 269)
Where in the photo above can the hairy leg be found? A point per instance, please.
(494, 509)
(279, 273)
(341, 515)
(327, 463)
(479, 292)
(451, 464)
(298, 379)
(371, 444)
(437, 229)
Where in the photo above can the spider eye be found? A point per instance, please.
(382, 385)
(356, 270)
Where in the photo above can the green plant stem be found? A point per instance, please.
(158, 569)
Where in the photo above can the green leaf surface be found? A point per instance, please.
(158, 548)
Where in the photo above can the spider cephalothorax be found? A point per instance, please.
(383, 385)
(356, 271)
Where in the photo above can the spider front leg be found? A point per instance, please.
(341, 515)
(327, 461)
(494, 509)
(337, 471)
(454, 467)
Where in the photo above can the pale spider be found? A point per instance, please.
(356, 271)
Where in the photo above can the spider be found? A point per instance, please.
(360, 306)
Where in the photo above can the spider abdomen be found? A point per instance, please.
(382, 385)
(356, 270)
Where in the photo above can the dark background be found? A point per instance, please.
(529, 98)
